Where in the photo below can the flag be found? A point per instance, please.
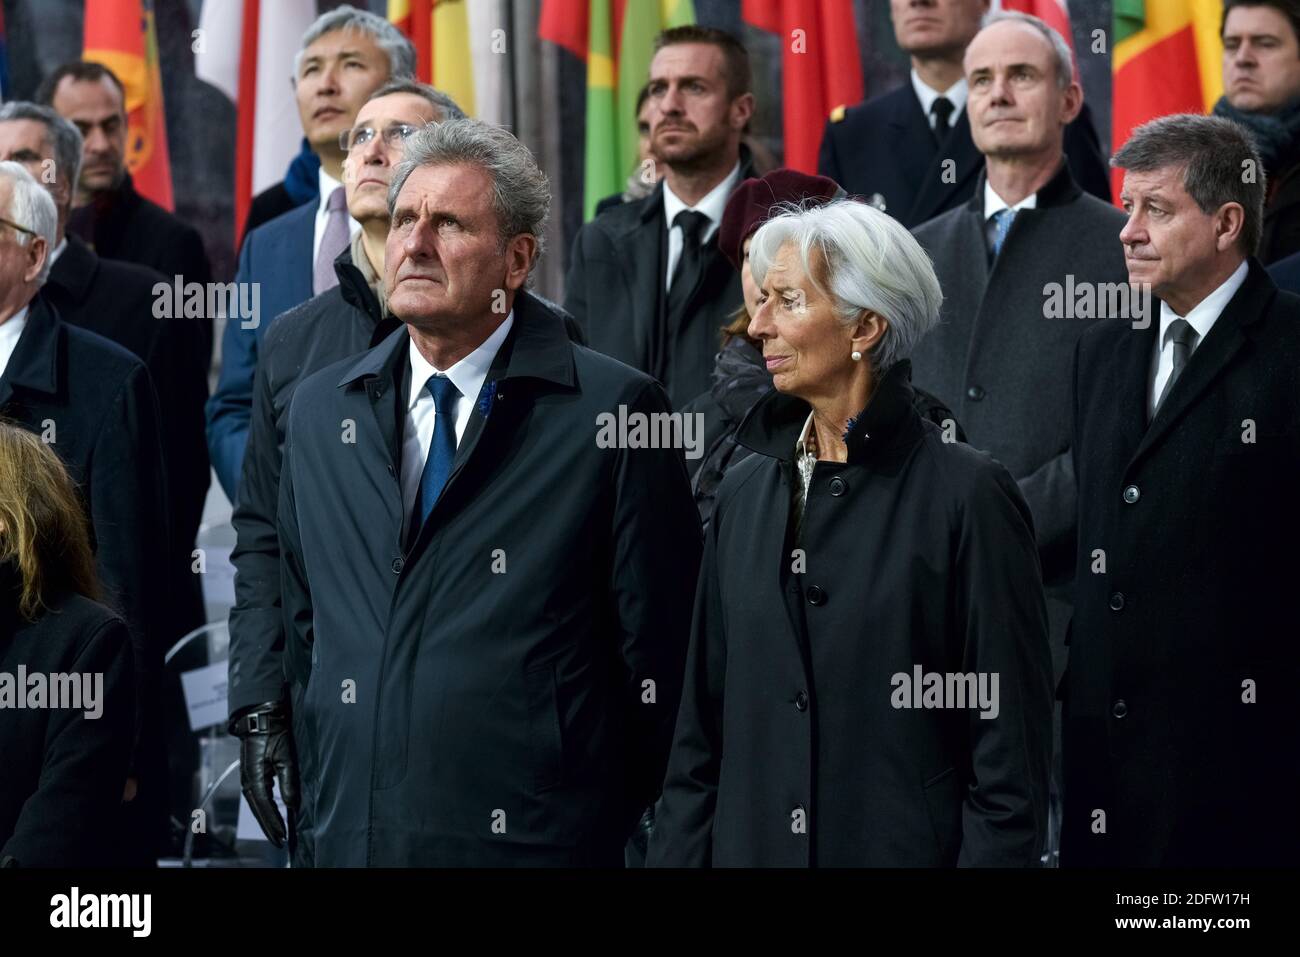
(1167, 58)
(616, 39)
(120, 35)
(439, 29)
(821, 68)
(246, 49)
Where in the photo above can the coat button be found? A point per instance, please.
(398, 565)
(1117, 601)
(975, 393)
(1119, 708)
(816, 596)
(801, 701)
(838, 486)
(1132, 494)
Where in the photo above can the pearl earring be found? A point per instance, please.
(855, 355)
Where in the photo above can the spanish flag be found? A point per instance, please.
(616, 39)
(440, 31)
(1167, 58)
(120, 34)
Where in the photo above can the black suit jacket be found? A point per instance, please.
(122, 224)
(269, 203)
(885, 147)
(116, 300)
(93, 402)
(615, 290)
(1179, 716)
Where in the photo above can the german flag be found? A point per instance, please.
(1167, 58)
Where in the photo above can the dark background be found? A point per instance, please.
(201, 120)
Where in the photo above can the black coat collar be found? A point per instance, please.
(1234, 328)
(1060, 190)
(35, 365)
(537, 348)
(74, 272)
(773, 425)
(358, 294)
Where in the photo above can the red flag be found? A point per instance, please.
(120, 35)
(1054, 13)
(821, 68)
(245, 119)
(566, 23)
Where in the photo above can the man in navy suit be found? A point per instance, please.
(345, 56)
(909, 151)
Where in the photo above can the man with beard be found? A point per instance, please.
(646, 279)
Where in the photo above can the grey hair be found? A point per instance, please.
(521, 193)
(1060, 49)
(31, 206)
(1214, 153)
(869, 262)
(446, 106)
(64, 135)
(399, 50)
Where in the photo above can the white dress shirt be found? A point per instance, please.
(468, 375)
(57, 251)
(712, 206)
(327, 186)
(993, 202)
(1201, 318)
(11, 330)
(956, 95)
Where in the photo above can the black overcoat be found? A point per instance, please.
(1180, 739)
(516, 670)
(789, 749)
(117, 301)
(95, 405)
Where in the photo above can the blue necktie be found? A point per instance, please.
(1001, 226)
(437, 467)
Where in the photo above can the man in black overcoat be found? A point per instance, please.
(486, 579)
(1180, 739)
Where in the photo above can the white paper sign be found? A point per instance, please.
(205, 695)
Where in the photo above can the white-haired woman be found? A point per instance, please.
(868, 681)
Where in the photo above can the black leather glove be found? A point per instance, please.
(635, 852)
(265, 756)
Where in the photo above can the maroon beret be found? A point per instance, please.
(750, 206)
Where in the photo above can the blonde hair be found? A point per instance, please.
(43, 529)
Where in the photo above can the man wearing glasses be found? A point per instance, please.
(345, 56)
(346, 319)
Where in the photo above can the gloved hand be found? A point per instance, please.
(266, 755)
